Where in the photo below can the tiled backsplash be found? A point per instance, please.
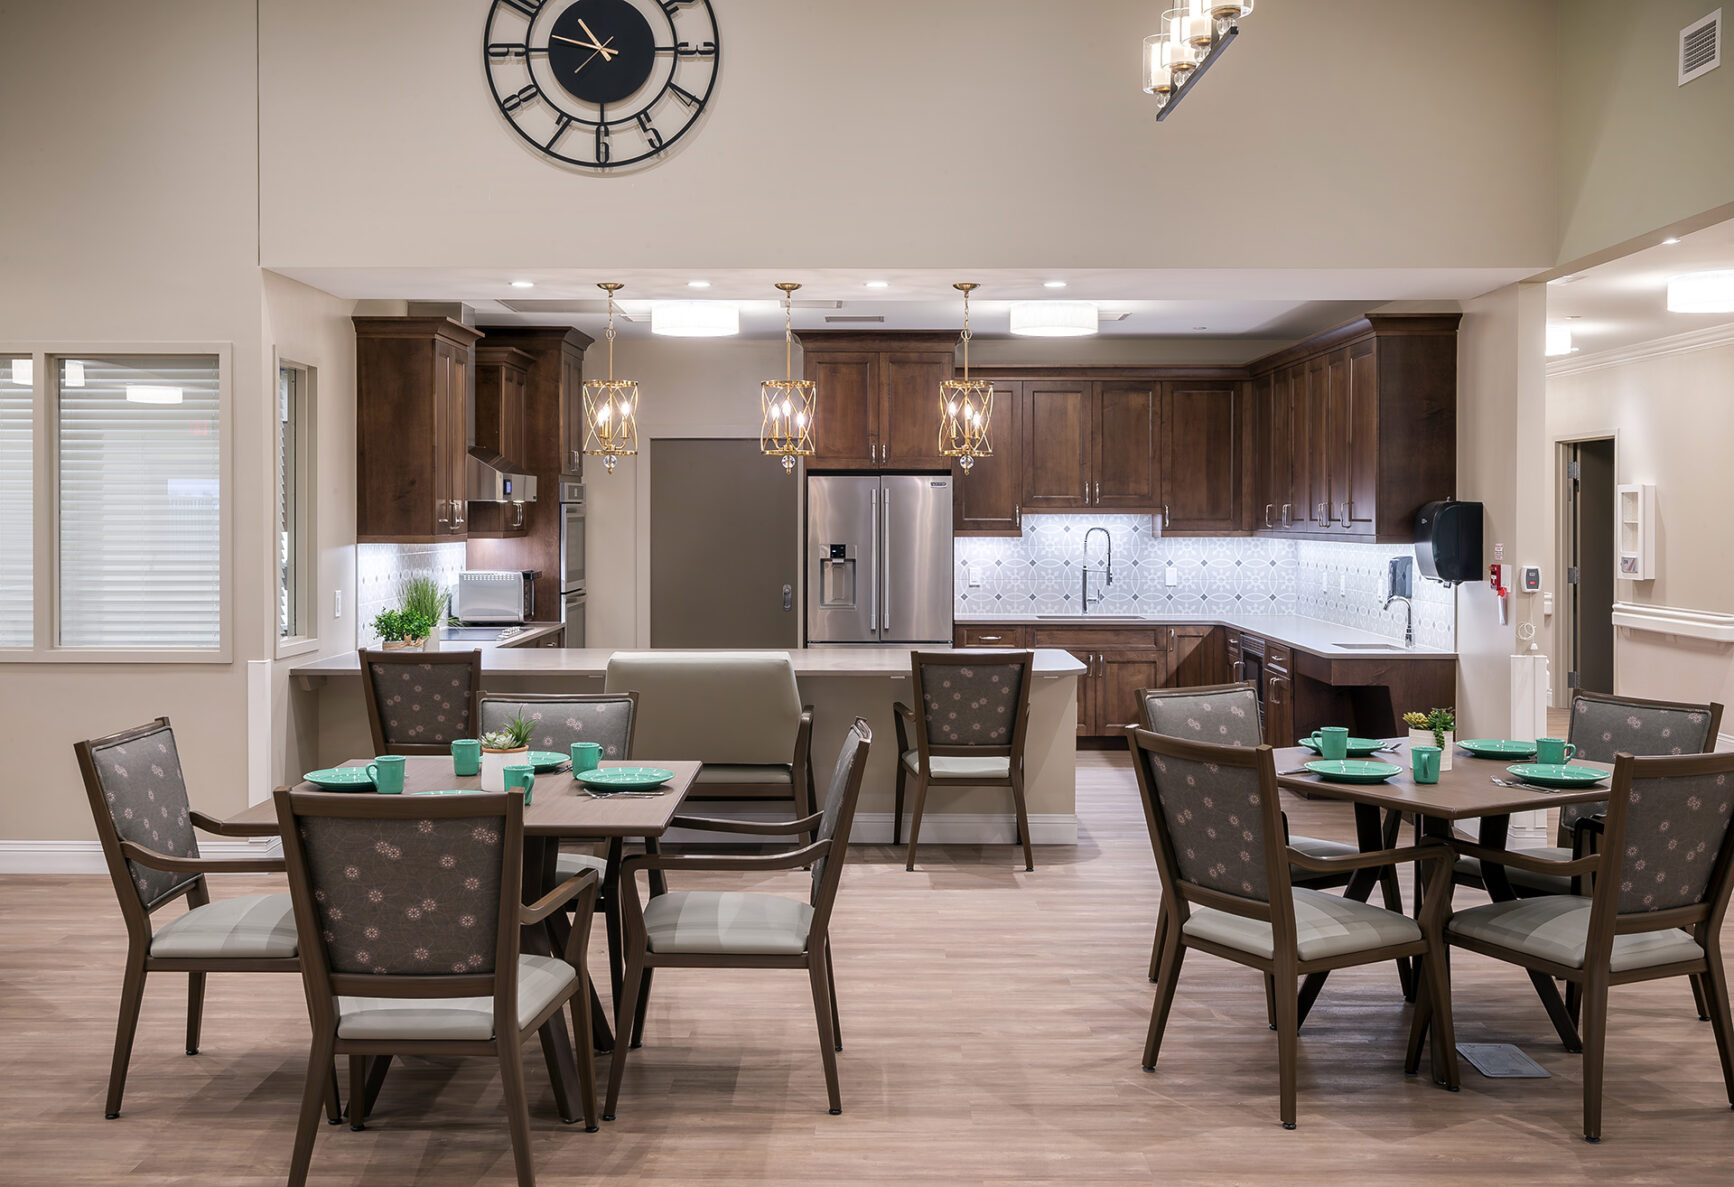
(1041, 573)
(381, 568)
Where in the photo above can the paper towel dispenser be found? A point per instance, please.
(1448, 541)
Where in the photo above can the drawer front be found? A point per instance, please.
(989, 636)
(1279, 658)
(1102, 637)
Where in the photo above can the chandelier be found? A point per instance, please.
(787, 403)
(1192, 38)
(610, 405)
(965, 406)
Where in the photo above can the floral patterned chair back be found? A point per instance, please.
(420, 702)
(560, 719)
(973, 703)
(138, 794)
(839, 812)
(404, 886)
(1211, 816)
(1603, 726)
(1671, 834)
(1222, 715)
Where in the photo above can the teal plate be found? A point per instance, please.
(1358, 747)
(547, 760)
(1497, 748)
(1548, 775)
(624, 778)
(1352, 770)
(341, 779)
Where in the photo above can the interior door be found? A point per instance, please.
(1126, 457)
(724, 553)
(1056, 445)
(1590, 563)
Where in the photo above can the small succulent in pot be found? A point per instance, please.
(1435, 727)
(503, 747)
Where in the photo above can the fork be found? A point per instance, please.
(1520, 786)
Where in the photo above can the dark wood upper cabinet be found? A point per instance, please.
(878, 399)
(1126, 446)
(1360, 441)
(987, 499)
(1202, 427)
(502, 378)
(412, 387)
(1057, 436)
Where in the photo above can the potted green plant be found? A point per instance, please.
(400, 631)
(421, 599)
(1435, 727)
(502, 748)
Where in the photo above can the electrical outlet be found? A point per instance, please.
(974, 577)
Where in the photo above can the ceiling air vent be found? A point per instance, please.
(1700, 47)
(853, 319)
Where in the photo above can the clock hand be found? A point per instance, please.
(607, 54)
(599, 50)
(588, 32)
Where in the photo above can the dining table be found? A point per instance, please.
(1474, 788)
(558, 809)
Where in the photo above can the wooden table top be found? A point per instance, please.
(1464, 792)
(558, 808)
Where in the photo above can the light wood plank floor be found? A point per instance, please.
(993, 1018)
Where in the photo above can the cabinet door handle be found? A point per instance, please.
(1018, 514)
(442, 511)
(1086, 492)
(1267, 508)
(1345, 515)
(1166, 518)
(1098, 494)
(1240, 669)
(1287, 514)
(989, 638)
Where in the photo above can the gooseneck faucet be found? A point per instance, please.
(1408, 617)
(1107, 570)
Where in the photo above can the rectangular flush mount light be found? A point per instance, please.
(140, 393)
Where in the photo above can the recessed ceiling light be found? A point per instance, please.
(523, 284)
(878, 284)
(698, 284)
(1702, 292)
(1053, 284)
(1670, 241)
(1053, 319)
(1564, 279)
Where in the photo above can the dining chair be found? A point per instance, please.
(737, 712)
(1217, 834)
(1228, 715)
(138, 799)
(1659, 885)
(975, 713)
(746, 929)
(409, 916)
(420, 702)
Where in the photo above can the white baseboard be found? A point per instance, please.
(85, 857)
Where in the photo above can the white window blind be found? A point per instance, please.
(16, 596)
(140, 532)
(294, 563)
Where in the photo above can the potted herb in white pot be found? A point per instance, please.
(1435, 727)
(422, 599)
(504, 747)
(399, 631)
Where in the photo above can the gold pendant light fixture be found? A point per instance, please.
(965, 406)
(787, 403)
(610, 405)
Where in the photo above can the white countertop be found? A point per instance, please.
(1308, 634)
(593, 661)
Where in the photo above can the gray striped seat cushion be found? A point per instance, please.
(1556, 928)
(1523, 879)
(1325, 926)
(541, 980)
(960, 766)
(253, 927)
(727, 921)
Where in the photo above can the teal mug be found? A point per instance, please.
(1554, 752)
(1426, 763)
(586, 756)
(1333, 741)
(521, 775)
(466, 757)
(386, 771)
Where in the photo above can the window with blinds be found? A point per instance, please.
(140, 530)
(17, 373)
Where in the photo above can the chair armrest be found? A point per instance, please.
(904, 720)
(1523, 861)
(787, 860)
(221, 828)
(1582, 829)
(133, 851)
(903, 711)
(767, 828)
(1434, 851)
(585, 883)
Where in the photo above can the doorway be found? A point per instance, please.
(724, 535)
(1589, 563)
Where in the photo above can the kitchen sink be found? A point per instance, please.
(1090, 618)
(1370, 646)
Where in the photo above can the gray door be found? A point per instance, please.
(915, 543)
(1591, 556)
(723, 546)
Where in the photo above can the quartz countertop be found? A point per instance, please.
(1307, 634)
(593, 661)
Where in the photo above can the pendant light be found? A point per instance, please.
(965, 406)
(787, 403)
(610, 405)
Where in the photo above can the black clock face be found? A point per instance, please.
(601, 83)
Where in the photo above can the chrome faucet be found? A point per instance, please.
(1408, 617)
(1107, 570)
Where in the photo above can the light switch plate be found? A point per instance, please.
(337, 603)
(1170, 575)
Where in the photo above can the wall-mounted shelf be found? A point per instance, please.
(1635, 532)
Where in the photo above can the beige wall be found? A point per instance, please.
(1668, 407)
(1636, 150)
(972, 133)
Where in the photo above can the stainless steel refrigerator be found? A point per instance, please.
(879, 558)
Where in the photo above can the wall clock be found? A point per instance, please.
(601, 83)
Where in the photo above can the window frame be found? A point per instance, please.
(305, 552)
(45, 518)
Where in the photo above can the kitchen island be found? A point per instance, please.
(840, 683)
